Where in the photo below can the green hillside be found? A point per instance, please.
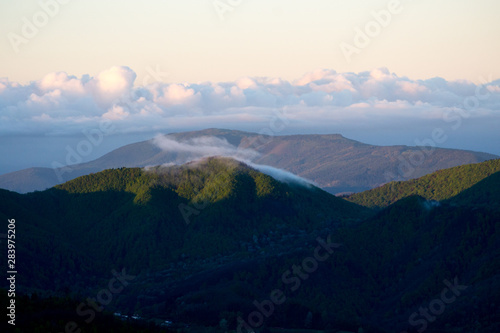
(204, 209)
(440, 185)
(485, 193)
(207, 240)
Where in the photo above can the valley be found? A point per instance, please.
(254, 239)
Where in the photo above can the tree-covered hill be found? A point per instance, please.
(440, 185)
(485, 193)
(145, 220)
(208, 241)
(384, 271)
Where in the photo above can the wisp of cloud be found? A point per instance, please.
(201, 147)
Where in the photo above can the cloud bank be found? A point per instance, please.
(64, 104)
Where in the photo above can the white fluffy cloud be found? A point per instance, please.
(61, 103)
(111, 84)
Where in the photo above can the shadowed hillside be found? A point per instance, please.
(207, 241)
(208, 208)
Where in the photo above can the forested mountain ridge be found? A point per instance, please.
(337, 164)
(197, 210)
(440, 185)
(244, 234)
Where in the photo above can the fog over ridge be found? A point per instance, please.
(195, 149)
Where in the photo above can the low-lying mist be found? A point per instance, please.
(195, 149)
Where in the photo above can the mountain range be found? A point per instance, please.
(215, 245)
(332, 162)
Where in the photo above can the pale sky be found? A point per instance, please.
(384, 72)
(453, 39)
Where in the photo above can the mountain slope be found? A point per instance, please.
(440, 185)
(203, 209)
(485, 193)
(335, 163)
(27, 180)
(419, 247)
(247, 235)
(388, 267)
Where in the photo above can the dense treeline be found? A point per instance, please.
(440, 185)
(206, 241)
(386, 268)
(148, 220)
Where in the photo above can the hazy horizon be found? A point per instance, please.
(376, 73)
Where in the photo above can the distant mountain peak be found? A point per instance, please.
(335, 163)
